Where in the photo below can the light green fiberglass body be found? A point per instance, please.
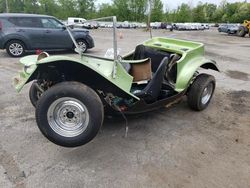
(192, 57)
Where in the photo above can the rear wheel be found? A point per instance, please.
(229, 32)
(15, 48)
(201, 92)
(69, 114)
(241, 31)
(82, 45)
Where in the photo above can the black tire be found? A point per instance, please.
(241, 31)
(34, 93)
(195, 98)
(20, 48)
(81, 95)
(82, 44)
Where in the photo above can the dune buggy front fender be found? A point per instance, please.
(96, 73)
(186, 71)
(29, 67)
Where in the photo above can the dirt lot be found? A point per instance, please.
(173, 147)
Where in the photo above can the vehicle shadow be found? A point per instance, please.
(141, 128)
(3, 54)
(112, 123)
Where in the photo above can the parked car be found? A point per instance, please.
(228, 28)
(71, 95)
(206, 26)
(82, 23)
(125, 24)
(155, 25)
(21, 33)
(190, 26)
(76, 22)
(169, 26)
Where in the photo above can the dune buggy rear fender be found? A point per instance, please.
(186, 71)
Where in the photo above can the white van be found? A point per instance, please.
(76, 21)
(82, 23)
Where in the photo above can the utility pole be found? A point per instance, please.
(7, 6)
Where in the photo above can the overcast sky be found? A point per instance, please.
(172, 4)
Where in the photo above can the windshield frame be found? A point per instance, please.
(115, 46)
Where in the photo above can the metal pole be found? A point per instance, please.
(78, 50)
(115, 45)
(7, 6)
(149, 18)
(115, 37)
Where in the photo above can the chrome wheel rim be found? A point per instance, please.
(82, 45)
(207, 93)
(68, 117)
(16, 49)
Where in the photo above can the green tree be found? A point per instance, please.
(157, 11)
(62, 9)
(105, 10)
(121, 9)
(49, 8)
(14, 5)
(86, 8)
(133, 10)
(137, 9)
(242, 13)
(2, 6)
(199, 14)
(31, 6)
(209, 11)
(184, 13)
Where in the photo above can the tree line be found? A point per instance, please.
(133, 10)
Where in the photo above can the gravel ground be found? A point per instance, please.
(173, 147)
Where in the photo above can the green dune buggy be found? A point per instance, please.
(71, 95)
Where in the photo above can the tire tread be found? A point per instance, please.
(196, 89)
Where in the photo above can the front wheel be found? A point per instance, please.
(69, 114)
(201, 92)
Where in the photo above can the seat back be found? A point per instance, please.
(153, 88)
(139, 52)
(156, 56)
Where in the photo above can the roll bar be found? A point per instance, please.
(80, 52)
